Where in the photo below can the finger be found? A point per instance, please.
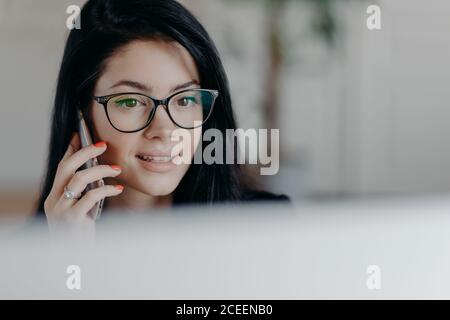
(74, 146)
(82, 178)
(95, 195)
(68, 167)
(80, 157)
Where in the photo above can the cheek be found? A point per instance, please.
(117, 152)
(119, 144)
(197, 135)
(99, 123)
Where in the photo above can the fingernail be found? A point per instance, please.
(116, 167)
(100, 144)
(119, 187)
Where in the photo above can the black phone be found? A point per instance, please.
(86, 140)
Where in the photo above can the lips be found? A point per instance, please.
(154, 158)
(156, 163)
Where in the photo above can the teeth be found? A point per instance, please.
(156, 158)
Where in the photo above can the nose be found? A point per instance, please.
(161, 126)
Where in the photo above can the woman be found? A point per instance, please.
(155, 58)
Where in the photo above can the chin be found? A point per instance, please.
(156, 189)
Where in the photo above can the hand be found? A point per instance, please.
(61, 212)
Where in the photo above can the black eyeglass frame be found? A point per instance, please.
(103, 100)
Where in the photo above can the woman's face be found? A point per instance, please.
(154, 68)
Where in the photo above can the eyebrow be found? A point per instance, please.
(143, 87)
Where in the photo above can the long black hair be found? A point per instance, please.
(106, 26)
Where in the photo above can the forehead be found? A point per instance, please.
(158, 64)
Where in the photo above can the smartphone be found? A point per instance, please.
(86, 140)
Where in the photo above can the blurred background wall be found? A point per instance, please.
(360, 112)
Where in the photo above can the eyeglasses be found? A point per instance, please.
(131, 112)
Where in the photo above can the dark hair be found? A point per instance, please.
(106, 26)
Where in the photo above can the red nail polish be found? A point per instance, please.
(115, 167)
(119, 187)
(100, 144)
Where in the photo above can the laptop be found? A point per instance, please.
(371, 249)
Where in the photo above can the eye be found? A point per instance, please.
(186, 101)
(129, 103)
